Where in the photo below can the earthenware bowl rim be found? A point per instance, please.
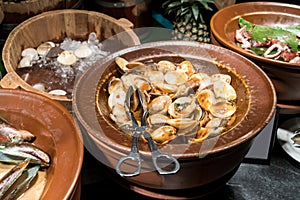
(102, 139)
(238, 12)
(75, 181)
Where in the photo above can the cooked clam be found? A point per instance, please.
(126, 66)
(182, 107)
(179, 101)
(221, 77)
(214, 126)
(114, 84)
(199, 79)
(222, 109)
(155, 77)
(118, 96)
(138, 81)
(160, 104)
(186, 67)
(157, 119)
(118, 114)
(176, 77)
(224, 90)
(206, 98)
(164, 134)
(182, 123)
(165, 66)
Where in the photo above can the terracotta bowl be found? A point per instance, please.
(211, 162)
(285, 76)
(72, 23)
(56, 133)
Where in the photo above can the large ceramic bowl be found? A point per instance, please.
(56, 133)
(285, 76)
(204, 165)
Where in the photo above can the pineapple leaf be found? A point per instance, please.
(188, 17)
(193, 8)
(195, 11)
(171, 5)
(205, 3)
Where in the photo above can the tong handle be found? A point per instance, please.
(133, 155)
(156, 154)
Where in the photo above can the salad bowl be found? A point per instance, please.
(279, 17)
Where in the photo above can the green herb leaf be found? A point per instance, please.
(261, 33)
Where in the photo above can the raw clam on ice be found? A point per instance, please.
(67, 58)
(25, 62)
(45, 47)
(31, 53)
(83, 51)
(58, 92)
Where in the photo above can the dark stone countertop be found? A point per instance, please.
(279, 178)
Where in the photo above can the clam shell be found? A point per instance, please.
(39, 86)
(186, 67)
(165, 65)
(164, 134)
(58, 92)
(176, 77)
(25, 62)
(30, 53)
(224, 90)
(182, 107)
(159, 104)
(222, 109)
(44, 48)
(118, 96)
(67, 58)
(83, 51)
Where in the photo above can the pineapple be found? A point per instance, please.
(189, 23)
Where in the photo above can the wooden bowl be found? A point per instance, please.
(200, 162)
(56, 133)
(72, 23)
(1, 15)
(285, 76)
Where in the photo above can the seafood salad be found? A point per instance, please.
(21, 160)
(278, 43)
(181, 101)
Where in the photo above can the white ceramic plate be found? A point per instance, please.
(284, 134)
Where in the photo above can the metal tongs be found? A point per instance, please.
(137, 132)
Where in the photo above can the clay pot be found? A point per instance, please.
(72, 23)
(205, 165)
(285, 76)
(56, 133)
